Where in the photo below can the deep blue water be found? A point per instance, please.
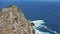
(49, 11)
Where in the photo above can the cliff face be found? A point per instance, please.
(13, 21)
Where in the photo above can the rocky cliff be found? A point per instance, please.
(13, 21)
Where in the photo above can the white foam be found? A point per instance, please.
(38, 23)
(39, 32)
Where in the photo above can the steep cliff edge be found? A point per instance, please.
(13, 21)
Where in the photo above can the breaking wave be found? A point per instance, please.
(40, 24)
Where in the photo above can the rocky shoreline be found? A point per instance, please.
(13, 21)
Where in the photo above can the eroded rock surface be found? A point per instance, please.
(13, 21)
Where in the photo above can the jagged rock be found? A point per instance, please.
(13, 21)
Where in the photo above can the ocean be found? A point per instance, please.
(49, 11)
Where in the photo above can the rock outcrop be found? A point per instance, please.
(13, 21)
